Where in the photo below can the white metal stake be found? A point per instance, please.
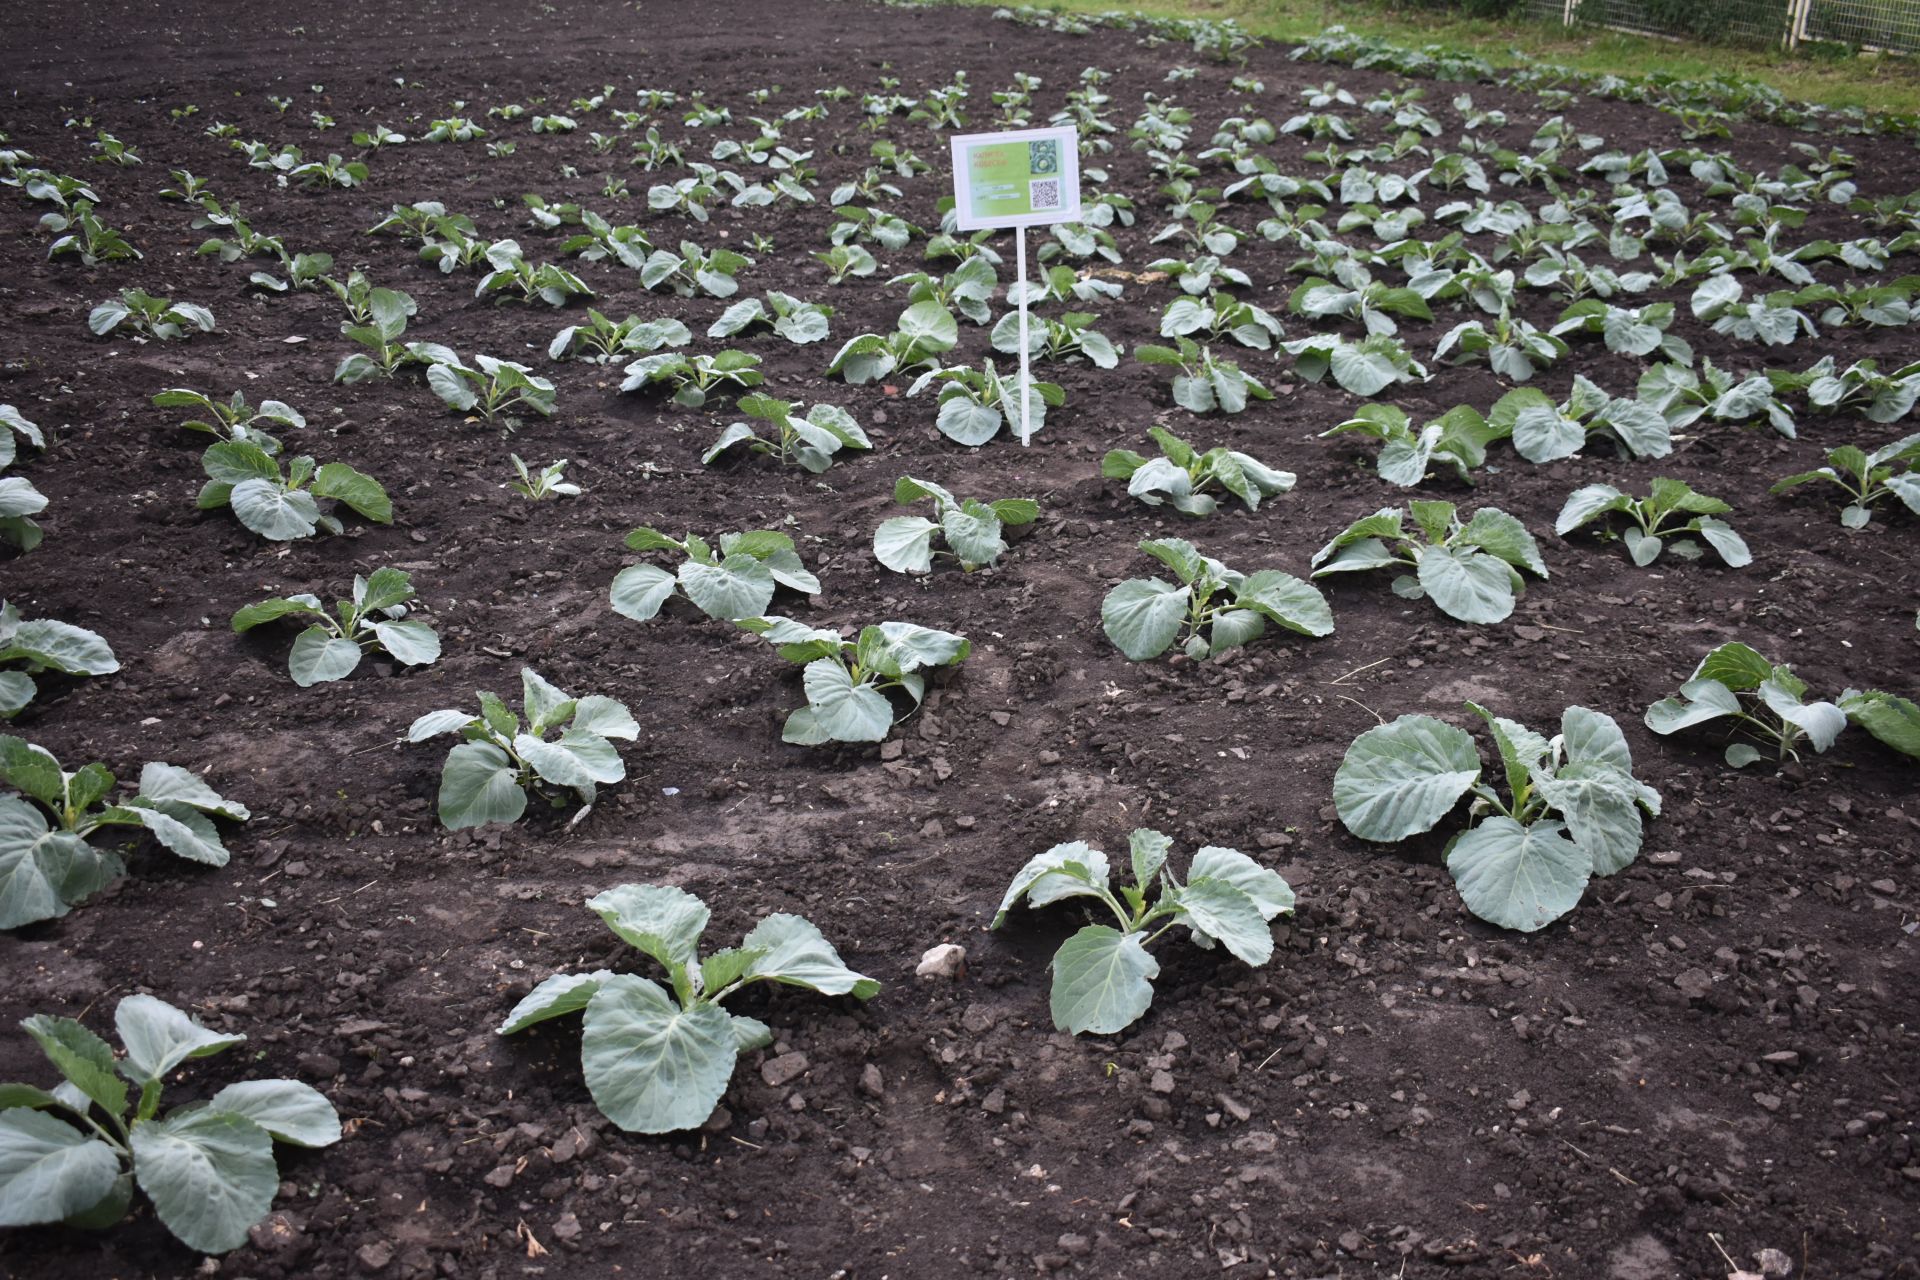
(1020, 269)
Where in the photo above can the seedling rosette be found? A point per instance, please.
(1457, 438)
(73, 1154)
(46, 870)
(280, 505)
(1669, 499)
(846, 681)
(489, 774)
(1181, 474)
(971, 528)
(374, 619)
(810, 441)
(1216, 608)
(1572, 812)
(1867, 478)
(975, 402)
(657, 1059)
(1103, 976)
(1205, 382)
(1545, 432)
(1470, 569)
(734, 581)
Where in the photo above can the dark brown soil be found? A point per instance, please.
(1717, 1050)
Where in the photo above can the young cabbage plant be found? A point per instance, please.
(1860, 388)
(810, 441)
(161, 319)
(1892, 470)
(513, 279)
(1684, 397)
(1457, 438)
(19, 500)
(693, 378)
(846, 681)
(73, 1154)
(489, 388)
(1063, 339)
(36, 645)
(1219, 317)
(232, 419)
(549, 481)
(279, 505)
(658, 1060)
(306, 272)
(1372, 304)
(1668, 500)
(694, 271)
(1205, 382)
(1181, 475)
(1366, 368)
(1214, 607)
(1573, 810)
(1202, 276)
(48, 869)
(924, 331)
(971, 528)
(1103, 976)
(372, 619)
(602, 341)
(489, 774)
(968, 288)
(82, 234)
(796, 321)
(974, 402)
(1767, 704)
(1470, 570)
(1545, 432)
(1064, 286)
(13, 424)
(734, 581)
(601, 241)
(845, 260)
(1513, 346)
(1772, 319)
(1626, 330)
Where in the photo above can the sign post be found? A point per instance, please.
(1017, 178)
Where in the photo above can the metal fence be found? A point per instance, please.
(1880, 24)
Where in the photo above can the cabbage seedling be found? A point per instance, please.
(1867, 478)
(694, 271)
(1513, 346)
(372, 619)
(1573, 810)
(1217, 608)
(490, 772)
(1767, 703)
(493, 389)
(1458, 438)
(925, 330)
(845, 260)
(1202, 276)
(1859, 388)
(1373, 304)
(305, 272)
(810, 441)
(846, 680)
(45, 871)
(971, 528)
(1063, 339)
(1221, 316)
(968, 288)
(601, 341)
(45, 644)
(279, 505)
(1470, 570)
(693, 378)
(1103, 976)
(1181, 475)
(1684, 397)
(548, 482)
(517, 280)
(1545, 432)
(19, 503)
(74, 1154)
(233, 419)
(14, 423)
(1365, 368)
(736, 581)
(1205, 381)
(1668, 499)
(656, 1060)
(599, 240)
(796, 321)
(1627, 331)
(83, 235)
(974, 402)
(162, 319)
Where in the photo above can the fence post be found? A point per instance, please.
(1796, 22)
(1567, 12)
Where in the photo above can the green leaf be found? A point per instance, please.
(32, 770)
(1069, 870)
(663, 921)
(435, 723)
(555, 764)
(319, 655)
(479, 784)
(1401, 778)
(50, 1170)
(82, 1057)
(386, 588)
(1519, 877)
(182, 829)
(1892, 719)
(1602, 811)
(1541, 433)
(1270, 893)
(43, 873)
(605, 717)
(652, 1066)
(264, 611)
(640, 590)
(904, 544)
(1286, 600)
(1219, 910)
(361, 492)
(545, 704)
(1142, 616)
(1467, 584)
(738, 587)
(210, 1176)
(287, 1109)
(275, 513)
(1738, 666)
(843, 710)
(1499, 534)
(973, 532)
(790, 950)
(1102, 981)
(1147, 849)
(160, 781)
(159, 1037)
(561, 994)
(1698, 702)
(412, 644)
(1820, 721)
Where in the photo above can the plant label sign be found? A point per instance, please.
(1016, 178)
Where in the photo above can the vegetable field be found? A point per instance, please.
(1410, 772)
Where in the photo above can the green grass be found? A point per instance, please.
(1875, 82)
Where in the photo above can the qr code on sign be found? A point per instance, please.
(1045, 193)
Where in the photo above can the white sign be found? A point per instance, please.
(1016, 178)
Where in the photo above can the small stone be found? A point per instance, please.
(1077, 1245)
(1162, 1082)
(1049, 757)
(1273, 839)
(948, 960)
(1235, 1108)
(375, 1256)
(783, 1070)
(1352, 1241)
(566, 1227)
(978, 1019)
(276, 1233)
(1886, 887)
(1173, 1043)
(995, 1102)
(499, 1176)
(1768, 1101)
(1782, 1058)
(872, 1083)
(1694, 983)
(718, 1121)
(892, 749)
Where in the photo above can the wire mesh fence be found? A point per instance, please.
(1882, 24)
